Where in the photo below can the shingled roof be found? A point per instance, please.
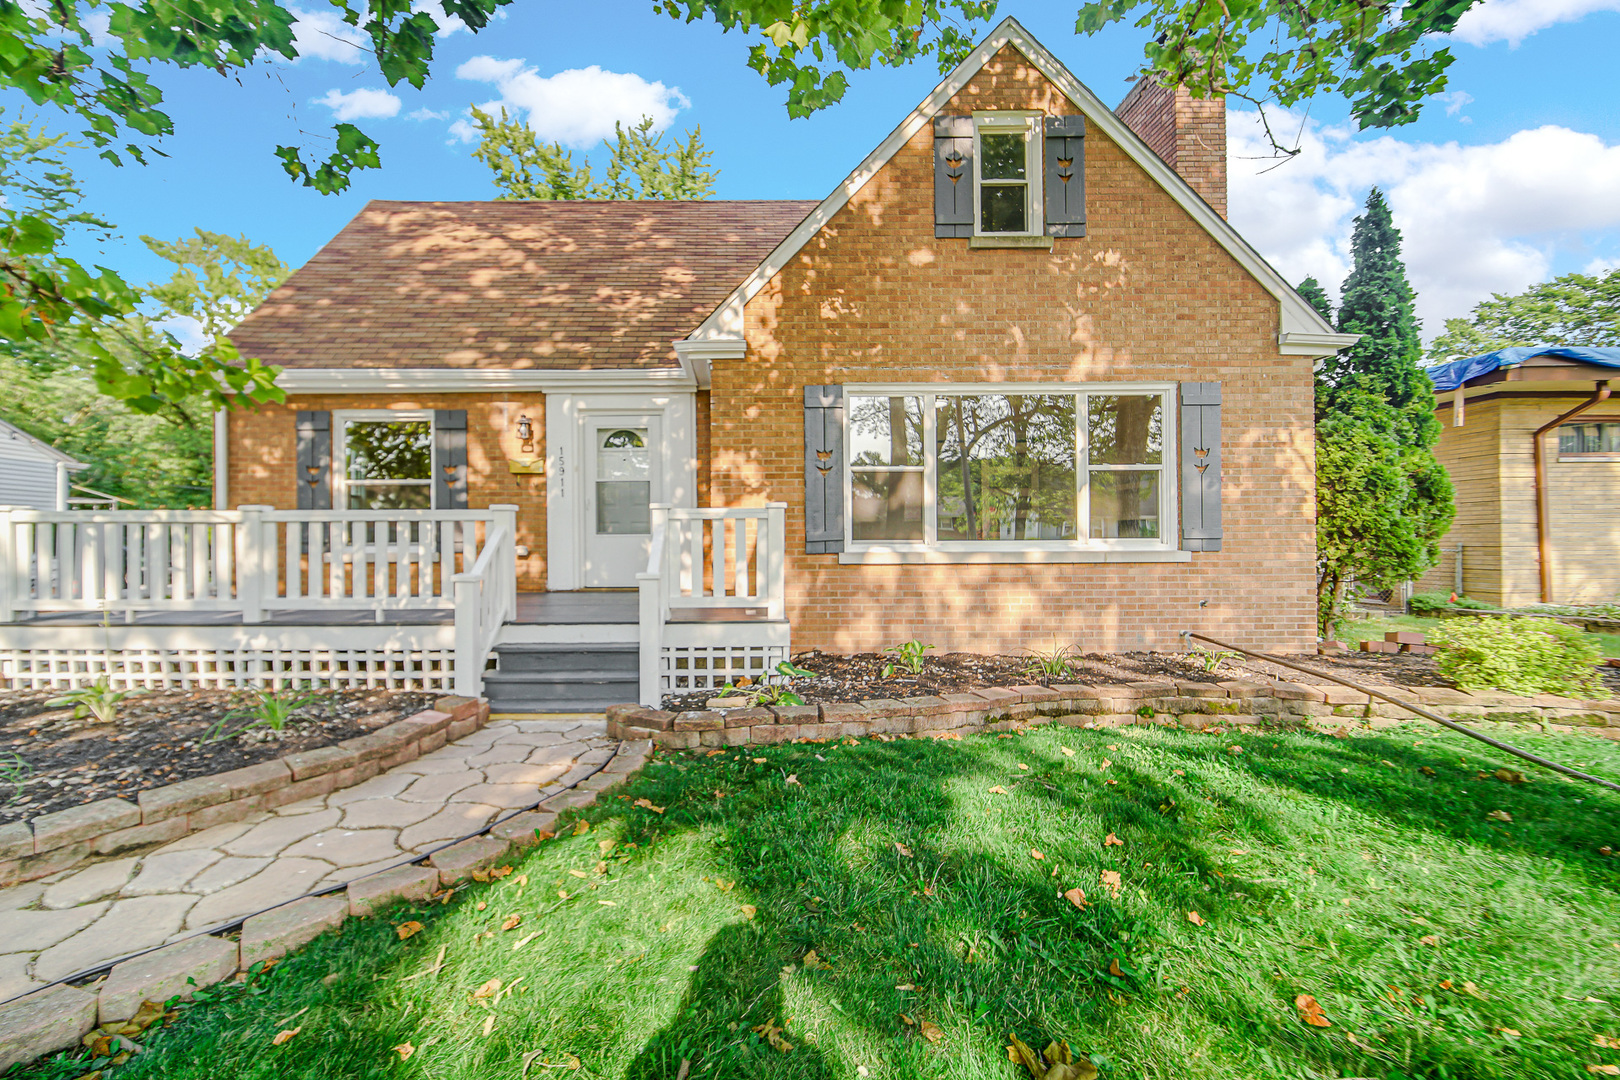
(538, 285)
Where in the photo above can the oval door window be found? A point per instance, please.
(623, 482)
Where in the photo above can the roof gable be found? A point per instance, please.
(1303, 330)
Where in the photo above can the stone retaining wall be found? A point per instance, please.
(55, 841)
(1187, 704)
(60, 1016)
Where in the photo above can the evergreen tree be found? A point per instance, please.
(1383, 500)
(1312, 291)
(639, 165)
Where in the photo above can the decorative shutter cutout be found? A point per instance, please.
(1201, 466)
(450, 459)
(314, 459)
(1065, 181)
(823, 469)
(954, 176)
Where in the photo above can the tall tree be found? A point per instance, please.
(1316, 296)
(640, 164)
(1383, 500)
(1576, 309)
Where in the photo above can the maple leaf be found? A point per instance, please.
(647, 804)
(285, 1036)
(1310, 1012)
(929, 1031)
(1077, 897)
(407, 929)
(1113, 841)
(1195, 918)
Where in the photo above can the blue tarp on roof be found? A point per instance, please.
(1453, 373)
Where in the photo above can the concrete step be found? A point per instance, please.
(563, 678)
(516, 659)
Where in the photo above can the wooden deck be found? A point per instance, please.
(534, 609)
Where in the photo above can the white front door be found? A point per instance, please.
(622, 478)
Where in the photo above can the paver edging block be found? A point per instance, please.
(43, 1022)
(176, 969)
(457, 862)
(271, 935)
(401, 883)
(59, 840)
(1235, 702)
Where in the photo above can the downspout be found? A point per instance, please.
(1543, 540)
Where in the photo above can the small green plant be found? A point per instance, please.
(270, 709)
(1054, 663)
(762, 694)
(793, 672)
(99, 700)
(1518, 655)
(1212, 659)
(908, 658)
(1145, 711)
(1433, 603)
(14, 773)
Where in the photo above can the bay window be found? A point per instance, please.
(1010, 468)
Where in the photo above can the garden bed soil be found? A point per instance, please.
(850, 679)
(50, 760)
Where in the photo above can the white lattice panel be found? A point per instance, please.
(226, 668)
(709, 667)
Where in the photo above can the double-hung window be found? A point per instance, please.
(1593, 441)
(1008, 151)
(386, 460)
(1038, 468)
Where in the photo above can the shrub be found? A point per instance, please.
(1434, 603)
(1519, 655)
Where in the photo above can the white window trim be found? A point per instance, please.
(341, 419)
(1002, 123)
(932, 550)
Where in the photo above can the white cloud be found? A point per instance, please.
(1475, 219)
(360, 104)
(577, 107)
(1514, 20)
(427, 114)
(1456, 101)
(325, 36)
(1600, 266)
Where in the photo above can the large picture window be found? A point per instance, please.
(387, 460)
(1038, 469)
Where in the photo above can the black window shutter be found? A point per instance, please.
(314, 459)
(823, 469)
(1201, 466)
(1065, 183)
(953, 176)
(450, 459)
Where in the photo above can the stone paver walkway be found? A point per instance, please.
(89, 915)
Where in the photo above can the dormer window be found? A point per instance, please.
(1008, 154)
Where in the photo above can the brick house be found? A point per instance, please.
(1015, 381)
(1531, 438)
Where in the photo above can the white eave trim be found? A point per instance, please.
(459, 380)
(1314, 345)
(697, 357)
(1297, 318)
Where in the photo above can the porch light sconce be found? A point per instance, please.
(527, 463)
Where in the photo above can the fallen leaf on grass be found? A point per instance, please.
(1604, 1070)
(1066, 751)
(1427, 771)
(489, 1024)
(1105, 764)
(909, 1021)
(579, 873)
(512, 922)
(793, 779)
(647, 804)
(1429, 939)
(605, 846)
(1057, 1063)
(1113, 969)
(999, 790)
(1512, 1033)
(1077, 897)
(1110, 878)
(524, 940)
(582, 828)
(906, 988)
(1510, 776)
(723, 885)
(1310, 1011)
(928, 1030)
(542, 835)
(1035, 854)
(1021, 765)
(285, 1036)
(489, 989)
(404, 1050)
(1113, 841)
(758, 760)
(407, 929)
(812, 962)
(569, 1061)
(773, 1035)
(905, 852)
(749, 911)
(1500, 815)
(1608, 1042)
(1472, 991)
(1195, 918)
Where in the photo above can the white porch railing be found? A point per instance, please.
(486, 597)
(251, 560)
(725, 561)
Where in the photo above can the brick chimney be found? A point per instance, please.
(1188, 133)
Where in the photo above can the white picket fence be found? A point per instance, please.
(712, 561)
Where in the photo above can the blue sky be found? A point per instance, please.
(1514, 177)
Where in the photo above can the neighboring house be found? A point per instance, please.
(1015, 382)
(1531, 439)
(33, 473)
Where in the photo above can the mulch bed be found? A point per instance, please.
(858, 677)
(50, 760)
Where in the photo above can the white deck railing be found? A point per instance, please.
(711, 559)
(486, 598)
(251, 560)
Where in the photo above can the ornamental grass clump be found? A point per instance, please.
(1519, 655)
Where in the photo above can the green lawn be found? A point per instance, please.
(1318, 866)
(1355, 631)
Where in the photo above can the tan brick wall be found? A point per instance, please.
(263, 451)
(1188, 133)
(1492, 464)
(1146, 296)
